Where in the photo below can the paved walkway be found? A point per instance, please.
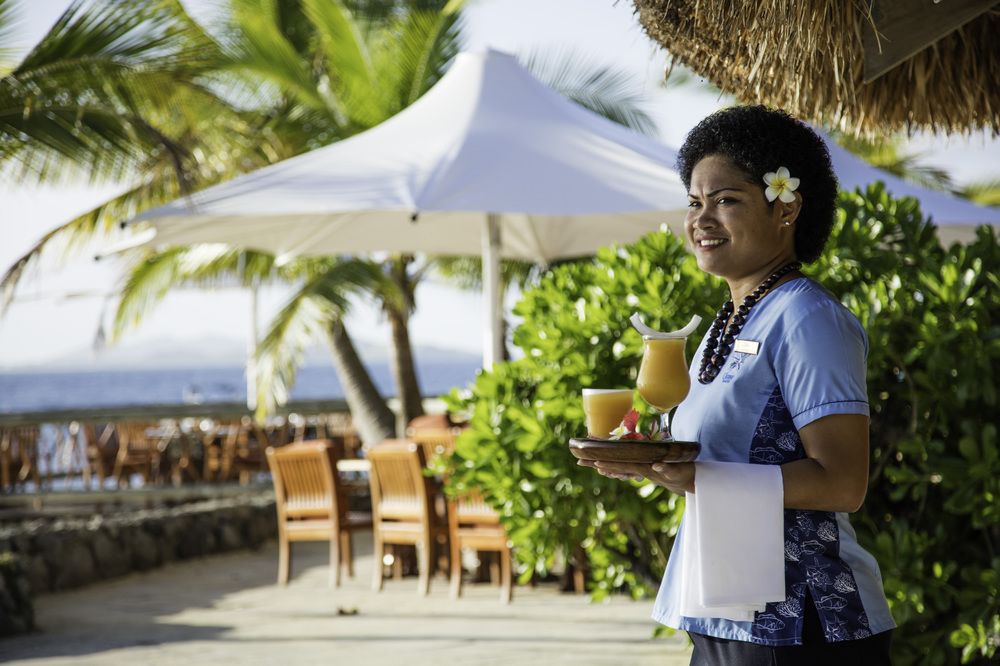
(227, 610)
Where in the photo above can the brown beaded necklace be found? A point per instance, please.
(720, 343)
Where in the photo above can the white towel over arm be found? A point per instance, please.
(732, 549)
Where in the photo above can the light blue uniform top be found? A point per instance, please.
(810, 363)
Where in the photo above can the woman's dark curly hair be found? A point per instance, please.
(758, 140)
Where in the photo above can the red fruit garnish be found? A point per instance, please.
(633, 435)
(631, 420)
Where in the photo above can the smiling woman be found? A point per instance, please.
(781, 384)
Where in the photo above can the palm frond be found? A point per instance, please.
(886, 153)
(207, 266)
(467, 272)
(348, 62)
(280, 353)
(56, 142)
(257, 48)
(321, 301)
(145, 286)
(80, 95)
(130, 32)
(8, 24)
(220, 143)
(429, 43)
(983, 192)
(603, 90)
(85, 228)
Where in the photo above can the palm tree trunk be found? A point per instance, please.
(373, 420)
(404, 369)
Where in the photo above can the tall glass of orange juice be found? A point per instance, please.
(663, 380)
(605, 409)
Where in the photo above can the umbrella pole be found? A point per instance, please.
(492, 338)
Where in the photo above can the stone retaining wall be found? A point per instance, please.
(49, 556)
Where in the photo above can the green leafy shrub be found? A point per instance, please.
(932, 516)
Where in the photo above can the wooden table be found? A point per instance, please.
(353, 465)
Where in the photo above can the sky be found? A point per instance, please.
(57, 312)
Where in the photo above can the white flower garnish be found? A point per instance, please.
(780, 185)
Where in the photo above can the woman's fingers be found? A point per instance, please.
(623, 471)
(678, 477)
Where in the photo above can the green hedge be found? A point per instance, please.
(932, 516)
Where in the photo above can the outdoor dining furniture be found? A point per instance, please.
(472, 523)
(236, 449)
(402, 506)
(138, 452)
(18, 456)
(101, 449)
(311, 504)
(435, 433)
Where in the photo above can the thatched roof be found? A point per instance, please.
(809, 58)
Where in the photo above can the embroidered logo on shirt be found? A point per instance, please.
(736, 362)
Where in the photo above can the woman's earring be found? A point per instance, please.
(788, 224)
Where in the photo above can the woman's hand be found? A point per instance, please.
(675, 477)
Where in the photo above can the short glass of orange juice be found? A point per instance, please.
(605, 409)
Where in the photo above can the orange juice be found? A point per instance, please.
(663, 376)
(605, 409)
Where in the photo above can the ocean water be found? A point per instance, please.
(43, 391)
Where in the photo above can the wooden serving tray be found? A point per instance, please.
(633, 451)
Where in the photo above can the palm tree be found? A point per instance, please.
(312, 94)
(276, 64)
(385, 58)
(316, 309)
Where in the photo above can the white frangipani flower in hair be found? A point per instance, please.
(780, 185)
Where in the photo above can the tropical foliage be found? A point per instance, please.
(931, 516)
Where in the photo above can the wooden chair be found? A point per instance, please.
(435, 432)
(472, 523)
(212, 443)
(236, 449)
(311, 504)
(101, 451)
(402, 506)
(340, 426)
(18, 456)
(243, 451)
(137, 452)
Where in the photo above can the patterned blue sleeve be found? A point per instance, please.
(820, 364)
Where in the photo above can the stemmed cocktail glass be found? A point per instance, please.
(663, 380)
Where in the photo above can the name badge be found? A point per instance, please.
(747, 346)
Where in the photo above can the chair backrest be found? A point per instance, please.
(99, 435)
(133, 437)
(399, 488)
(22, 438)
(435, 441)
(305, 480)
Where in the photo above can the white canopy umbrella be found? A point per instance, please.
(488, 161)
(956, 218)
